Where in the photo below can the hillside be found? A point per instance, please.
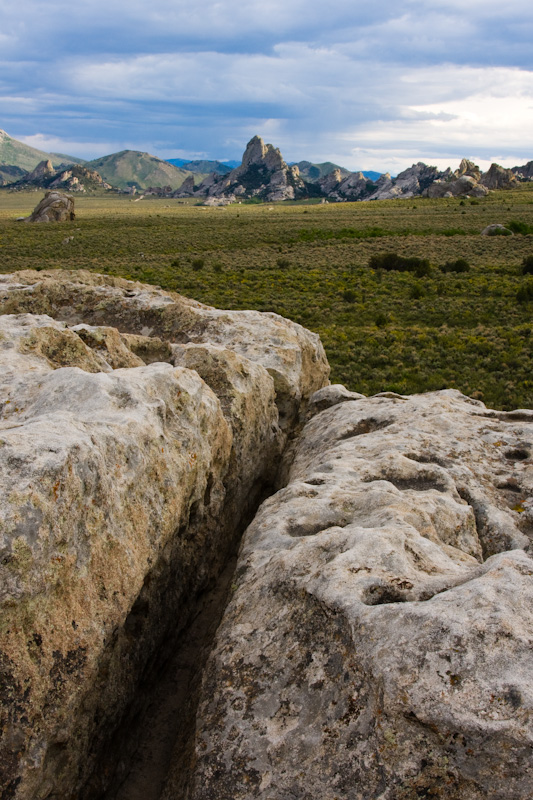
(131, 168)
(17, 154)
(204, 166)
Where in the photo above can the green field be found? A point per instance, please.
(382, 330)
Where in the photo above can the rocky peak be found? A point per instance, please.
(498, 178)
(44, 169)
(255, 152)
(263, 173)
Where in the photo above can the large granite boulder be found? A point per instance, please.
(378, 642)
(138, 432)
(54, 207)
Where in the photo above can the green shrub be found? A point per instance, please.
(525, 293)
(527, 265)
(283, 263)
(393, 261)
(517, 226)
(349, 296)
(197, 264)
(459, 265)
(417, 291)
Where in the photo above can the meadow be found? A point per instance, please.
(382, 329)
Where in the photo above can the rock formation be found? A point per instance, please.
(498, 178)
(377, 643)
(138, 431)
(463, 186)
(43, 170)
(378, 640)
(263, 173)
(54, 207)
(525, 172)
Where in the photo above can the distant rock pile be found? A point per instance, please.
(264, 175)
(73, 178)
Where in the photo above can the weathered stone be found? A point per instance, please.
(54, 207)
(126, 481)
(378, 642)
(496, 229)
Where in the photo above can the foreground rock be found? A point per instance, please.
(54, 207)
(378, 643)
(138, 430)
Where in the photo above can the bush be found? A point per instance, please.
(393, 261)
(349, 296)
(516, 226)
(525, 293)
(459, 265)
(417, 291)
(527, 265)
(197, 264)
(283, 263)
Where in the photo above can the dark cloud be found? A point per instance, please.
(347, 82)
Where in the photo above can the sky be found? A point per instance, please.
(368, 85)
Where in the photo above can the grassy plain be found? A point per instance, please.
(381, 330)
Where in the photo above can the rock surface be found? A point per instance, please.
(378, 642)
(138, 430)
(54, 207)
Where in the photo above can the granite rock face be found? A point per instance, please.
(54, 207)
(263, 173)
(378, 642)
(138, 431)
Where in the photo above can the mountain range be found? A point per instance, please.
(263, 175)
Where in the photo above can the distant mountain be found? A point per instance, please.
(17, 154)
(314, 172)
(131, 168)
(205, 166)
(371, 175)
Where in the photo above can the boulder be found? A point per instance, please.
(378, 641)
(496, 229)
(138, 431)
(54, 207)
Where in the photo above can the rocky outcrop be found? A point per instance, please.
(187, 188)
(54, 207)
(464, 186)
(498, 178)
(42, 171)
(263, 173)
(468, 168)
(525, 172)
(377, 644)
(352, 187)
(138, 430)
(410, 182)
(78, 179)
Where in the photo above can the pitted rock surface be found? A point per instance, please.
(138, 430)
(378, 642)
